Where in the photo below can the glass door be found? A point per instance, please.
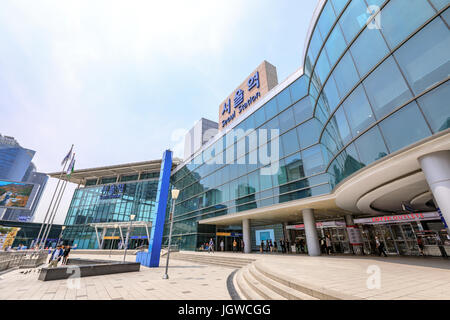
(384, 233)
(410, 239)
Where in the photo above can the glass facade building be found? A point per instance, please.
(93, 204)
(374, 82)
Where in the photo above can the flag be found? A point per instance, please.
(67, 157)
(71, 167)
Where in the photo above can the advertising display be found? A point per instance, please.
(17, 195)
(7, 236)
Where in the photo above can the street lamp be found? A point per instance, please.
(60, 235)
(129, 233)
(175, 194)
(112, 240)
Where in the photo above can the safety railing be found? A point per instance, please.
(22, 259)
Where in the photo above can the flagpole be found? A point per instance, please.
(50, 205)
(58, 199)
(45, 222)
(56, 210)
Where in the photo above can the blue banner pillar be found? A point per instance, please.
(151, 258)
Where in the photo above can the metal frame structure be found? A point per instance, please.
(113, 225)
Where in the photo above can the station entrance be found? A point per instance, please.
(335, 229)
(228, 238)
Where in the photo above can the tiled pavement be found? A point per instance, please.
(400, 278)
(187, 281)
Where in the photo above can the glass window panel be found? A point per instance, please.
(330, 96)
(386, 88)
(335, 45)
(440, 4)
(314, 45)
(354, 19)
(375, 2)
(294, 167)
(298, 89)
(358, 111)
(290, 142)
(339, 5)
(342, 125)
(350, 161)
(260, 117)
(320, 190)
(284, 99)
(425, 58)
(404, 127)
(371, 146)
(326, 20)
(287, 120)
(368, 50)
(345, 74)
(323, 67)
(401, 17)
(446, 16)
(271, 108)
(282, 174)
(309, 132)
(253, 182)
(435, 106)
(320, 114)
(303, 110)
(312, 161)
(266, 180)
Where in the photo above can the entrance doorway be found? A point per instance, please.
(398, 239)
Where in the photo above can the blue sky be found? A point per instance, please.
(123, 80)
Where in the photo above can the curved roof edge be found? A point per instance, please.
(315, 17)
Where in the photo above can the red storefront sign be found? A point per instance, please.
(399, 218)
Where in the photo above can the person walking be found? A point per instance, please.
(55, 257)
(211, 246)
(282, 246)
(275, 246)
(222, 245)
(66, 255)
(288, 249)
(261, 247)
(242, 246)
(234, 245)
(380, 247)
(420, 245)
(328, 244)
(302, 245)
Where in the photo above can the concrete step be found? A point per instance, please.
(279, 288)
(218, 257)
(222, 261)
(308, 289)
(244, 290)
(259, 287)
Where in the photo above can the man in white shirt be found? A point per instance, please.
(55, 257)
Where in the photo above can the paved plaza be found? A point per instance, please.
(399, 278)
(187, 281)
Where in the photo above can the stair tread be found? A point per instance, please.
(248, 292)
(259, 287)
(290, 293)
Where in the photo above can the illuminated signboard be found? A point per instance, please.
(17, 195)
(112, 191)
(258, 84)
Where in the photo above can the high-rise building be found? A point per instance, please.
(203, 131)
(16, 165)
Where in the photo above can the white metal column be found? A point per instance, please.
(312, 240)
(436, 167)
(246, 236)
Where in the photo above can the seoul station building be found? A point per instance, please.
(354, 144)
